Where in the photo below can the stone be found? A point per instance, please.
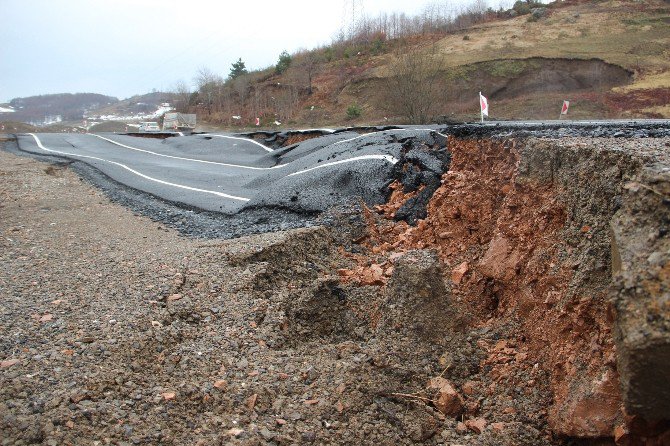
(448, 400)
(469, 387)
(416, 297)
(641, 278)
(267, 434)
(458, 273)
(500, 260)
(498, 427)
(476, 425)
(461, 428)
(591, 411)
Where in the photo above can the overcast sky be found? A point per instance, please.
(126, 47)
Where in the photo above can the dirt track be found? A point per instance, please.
(120, 331)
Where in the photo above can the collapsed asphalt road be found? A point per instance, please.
(229, 185)
(255, 187)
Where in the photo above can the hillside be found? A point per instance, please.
(138, 104)
(52, 108)
(610, 59)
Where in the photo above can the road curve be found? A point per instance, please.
(228, 173)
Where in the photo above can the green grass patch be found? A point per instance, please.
(509, 68)
(461, 72)
(663, 20)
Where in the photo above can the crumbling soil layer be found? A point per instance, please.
(534, 290)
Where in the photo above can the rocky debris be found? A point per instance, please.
(533, 228)
(502, 292)
(420, 170)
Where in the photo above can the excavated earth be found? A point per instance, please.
(521, 297)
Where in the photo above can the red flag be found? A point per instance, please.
(484, 104)
(564, 109)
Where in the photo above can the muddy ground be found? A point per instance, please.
(529, 307)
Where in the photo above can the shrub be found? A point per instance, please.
(283, 63)
(354, 111)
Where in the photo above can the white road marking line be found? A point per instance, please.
(388, 158)
(183, 158)
(181, 186)
(356, 137)
(241, 139)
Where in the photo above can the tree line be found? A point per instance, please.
(261, 93)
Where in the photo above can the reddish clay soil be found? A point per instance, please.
(513, 250)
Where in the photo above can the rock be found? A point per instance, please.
(168, 396)
(8, 363)
(498, 427)
(500, 260)
(308, 437)
(641, 279)
(590, 411)
(461, 428)
(458, 272)
(251, 401)
(242, 363)
(469, 387)
(448, 401)
(476, 425)
(621, 435)
(266, 434)
(235, 432)
(416, 297)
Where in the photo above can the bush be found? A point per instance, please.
(354, 111)
(523, 7)
(328, 54)
(283, 63)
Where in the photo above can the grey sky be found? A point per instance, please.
(126, 47)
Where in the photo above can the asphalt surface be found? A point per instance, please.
(228, 174)
(227, 185)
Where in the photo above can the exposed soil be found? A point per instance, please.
(488, 322)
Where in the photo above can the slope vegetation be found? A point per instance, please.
(610, 59)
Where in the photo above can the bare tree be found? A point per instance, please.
(306, 66)
(209, 86)
(182, 94)
(414, 84)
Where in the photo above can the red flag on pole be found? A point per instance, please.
(484, 103)
(564, 109)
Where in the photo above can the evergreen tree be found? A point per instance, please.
(283, 63)
(237, 69)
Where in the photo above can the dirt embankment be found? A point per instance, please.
(494, 321)
(525, 230)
